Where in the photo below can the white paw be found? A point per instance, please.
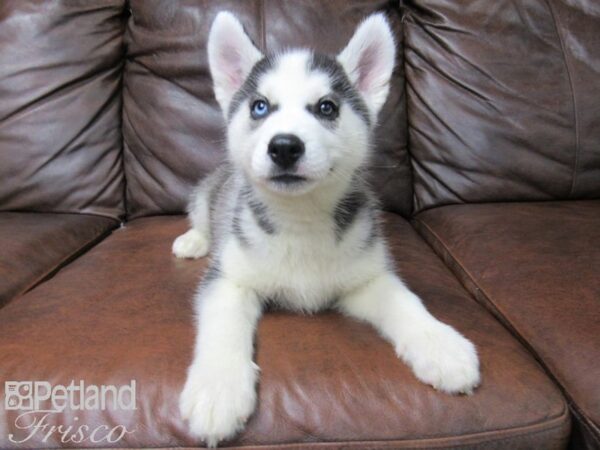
(443, 358)
(217, 403)
(191, 244)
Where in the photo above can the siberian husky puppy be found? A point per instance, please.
(290, 219)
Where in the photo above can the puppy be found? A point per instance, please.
(290, 220)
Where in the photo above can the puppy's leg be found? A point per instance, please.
(195, 243)
(436, 352)
(219, 393)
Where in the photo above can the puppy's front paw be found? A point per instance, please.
(443, 358)
(191, 244)
(217, 403)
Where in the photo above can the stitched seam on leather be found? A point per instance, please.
(403, 11)
(461, 266)
(126, 68)
(405, 14)
(141, 166)
(65, 261)
(497, 312)
(127, 9)
(432, 442)
(484, 299)
(417, 205)
(71, 213)
(586, 422)
(573, 97)
(263, 33)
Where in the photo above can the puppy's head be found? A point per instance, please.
(298, 120)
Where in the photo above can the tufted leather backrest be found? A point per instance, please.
(107, 104)
(60, 106)
(503, 99)
(173, 129)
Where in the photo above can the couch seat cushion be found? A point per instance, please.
(34, 245)
(537, 267)
(123, 312)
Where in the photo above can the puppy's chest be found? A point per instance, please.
(301, 270)
(301, 255)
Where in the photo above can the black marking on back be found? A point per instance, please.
(250, 85)
(340, 83)
(346, 211)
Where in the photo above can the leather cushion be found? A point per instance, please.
(501, 99)
(60, 107)
(536, 266)
(123, 311)
(173, 128)
(34, 245)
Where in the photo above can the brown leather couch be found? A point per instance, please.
(487, 161)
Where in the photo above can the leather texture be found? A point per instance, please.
(35, 245)
(173, 128)
(60, 107)
(325, 380)
(502, 100)
(536, 267)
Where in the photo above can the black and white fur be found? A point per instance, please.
(305, 236)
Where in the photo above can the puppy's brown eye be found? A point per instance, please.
(327, 108)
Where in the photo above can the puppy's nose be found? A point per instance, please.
(285, 150)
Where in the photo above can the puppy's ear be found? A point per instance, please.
(231, 56)
(369, 60)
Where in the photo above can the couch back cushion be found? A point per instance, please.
(503, 100)
(173, 128)
(60, 106)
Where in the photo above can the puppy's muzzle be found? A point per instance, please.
(285, 150)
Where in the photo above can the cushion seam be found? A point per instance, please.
(422, 226)
(462, 267)
(78, 213)
(569, 70)
(587, 423)
(64, 261)
(482, 438)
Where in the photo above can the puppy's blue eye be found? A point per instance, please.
(259, 109)
(327, 108)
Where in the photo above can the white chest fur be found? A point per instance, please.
(303, 267)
